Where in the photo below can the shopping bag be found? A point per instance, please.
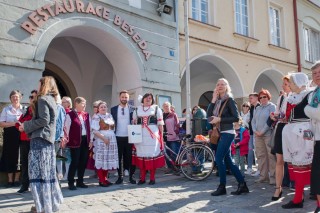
(135, 134)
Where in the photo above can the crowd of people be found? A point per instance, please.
(58, 140)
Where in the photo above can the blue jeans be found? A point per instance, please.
(250, 153)
(223, 158)
(174, 146)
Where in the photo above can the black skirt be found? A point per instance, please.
(278, 139)
(10, 152)
(315, 170)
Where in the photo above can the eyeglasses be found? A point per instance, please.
(122, 110)
(262, 97)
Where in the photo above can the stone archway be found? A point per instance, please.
(205, 70)
(71, 45)
(270, 79)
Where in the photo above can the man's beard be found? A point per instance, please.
(124, 102)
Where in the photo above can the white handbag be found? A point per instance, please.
(135, 134)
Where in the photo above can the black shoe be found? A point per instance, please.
(16, 183)
(132, 181)
(119, 181)
(317, 210)
(273, 198)
(313, 197)
(141, 182)
(292, 205)
(9, 185)
(72, 187)
(221, 190)
(23, 189)
(82, 185)
(105, 184)
(152, 182)
(242, 188)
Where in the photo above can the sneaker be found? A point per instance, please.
(255, 174)
(248, 172)
(126, 173)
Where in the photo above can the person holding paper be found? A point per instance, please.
(149, 153)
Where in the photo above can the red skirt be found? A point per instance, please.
(148, 163)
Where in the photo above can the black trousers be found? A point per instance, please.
(24, 155)
(79, 158)
(315, 170)
(125, 154)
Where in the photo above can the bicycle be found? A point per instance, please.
(194, 160)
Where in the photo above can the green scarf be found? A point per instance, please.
(315, 98)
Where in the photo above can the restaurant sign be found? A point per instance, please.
(39, 17)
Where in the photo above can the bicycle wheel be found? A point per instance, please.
(196, 162)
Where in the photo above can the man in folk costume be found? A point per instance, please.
(297, 149)
(150, 152)
(122, 115)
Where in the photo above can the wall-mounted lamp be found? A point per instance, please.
(164, 8)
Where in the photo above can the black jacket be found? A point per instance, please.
(230, 114)
(114, 113)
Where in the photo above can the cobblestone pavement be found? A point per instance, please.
(169, 194)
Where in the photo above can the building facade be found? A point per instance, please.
(250, 43)
(94, 48)
(308, 14)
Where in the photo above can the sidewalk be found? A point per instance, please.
(169, 194)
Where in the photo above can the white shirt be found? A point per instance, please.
(123, 121)
(67, 124)
(10, 114)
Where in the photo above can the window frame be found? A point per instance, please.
(279, 10)
(311, 49)
(241, 14)
(199, 14)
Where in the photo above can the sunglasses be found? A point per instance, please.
(122, 110)
(245, 106)
(31, 97)
(262, 97)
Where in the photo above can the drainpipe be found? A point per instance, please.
(296, 31)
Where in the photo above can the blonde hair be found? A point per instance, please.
(67, 99)
(228, 90)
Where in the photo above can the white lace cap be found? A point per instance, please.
(300, 79)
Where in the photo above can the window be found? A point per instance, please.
(274, 16)
(311, 44)
(200, 10)
(242, 17)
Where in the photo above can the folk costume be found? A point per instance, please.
(105, 155)
(297, 150)
(149, 155)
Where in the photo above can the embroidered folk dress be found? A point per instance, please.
(149, 153)
(296, 149)
(105, 156)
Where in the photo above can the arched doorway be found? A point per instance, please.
(205, 70)
(91, 60)
(271, 80)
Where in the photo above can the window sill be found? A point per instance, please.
(245, 37)
(210, 26)
(279, 48)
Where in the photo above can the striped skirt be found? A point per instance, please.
(42, 174)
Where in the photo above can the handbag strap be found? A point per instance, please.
(220, 113)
